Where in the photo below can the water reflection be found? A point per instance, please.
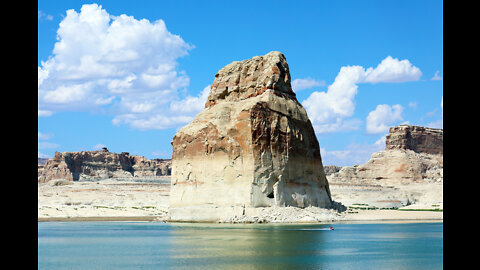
(252, 246)
(143, 245)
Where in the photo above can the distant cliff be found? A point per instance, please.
(94, 165)
(415, 138)
(412, 153)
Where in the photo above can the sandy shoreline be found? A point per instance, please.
(369, 216)
(113, 200)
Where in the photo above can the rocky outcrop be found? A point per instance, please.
(412, 154)
(252, 146)
(95, 165)
(331, 169)
(415, 138)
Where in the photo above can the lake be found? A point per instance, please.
(157, 245)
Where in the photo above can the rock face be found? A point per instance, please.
(252, 146)
(415, 138)
(412, 154)
(95, 165)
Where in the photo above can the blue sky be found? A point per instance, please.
(128, 75)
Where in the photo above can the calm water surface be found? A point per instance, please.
(152, 245)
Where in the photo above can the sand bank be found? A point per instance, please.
(112, 200)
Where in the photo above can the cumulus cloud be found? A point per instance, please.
(392, 70)
(380, 120)
(127, 65)
(191, 104)
(301, 84)
(329, 111)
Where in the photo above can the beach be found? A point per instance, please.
(141, 200)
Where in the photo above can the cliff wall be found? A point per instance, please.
(415, 138)
(95, 165)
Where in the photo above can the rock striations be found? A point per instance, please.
(252, 146)
(411, 154)
(415, 138)
(96, 165)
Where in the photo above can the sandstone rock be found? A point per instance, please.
(331, 169)
(95, 165)
(415, 138)
(252, 146)
(412, 154)
(397, 166)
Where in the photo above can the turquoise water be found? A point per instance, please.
(156, 245)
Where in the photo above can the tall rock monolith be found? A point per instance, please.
(252, 146)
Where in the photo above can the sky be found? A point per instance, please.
(127, 75)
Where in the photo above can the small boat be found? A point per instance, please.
(331, 228)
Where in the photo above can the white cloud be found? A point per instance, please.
(125, 65)
(328, 110)
(47, 145)
(44, 113)
(436, 77)
(354, 154)
(393, 71)
(413, 105)
(42, 15)
(68, 94)
(380, 120)
(99, 146)
(301, 84)
(43, 136)
(157, 121)
(191, 104)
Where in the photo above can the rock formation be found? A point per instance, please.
(252, 146)
(412, 154)
(96, 165)
(415, 138)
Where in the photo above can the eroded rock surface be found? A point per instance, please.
(416, 138)
(95, 165)
(412, 154)
(252, 146)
